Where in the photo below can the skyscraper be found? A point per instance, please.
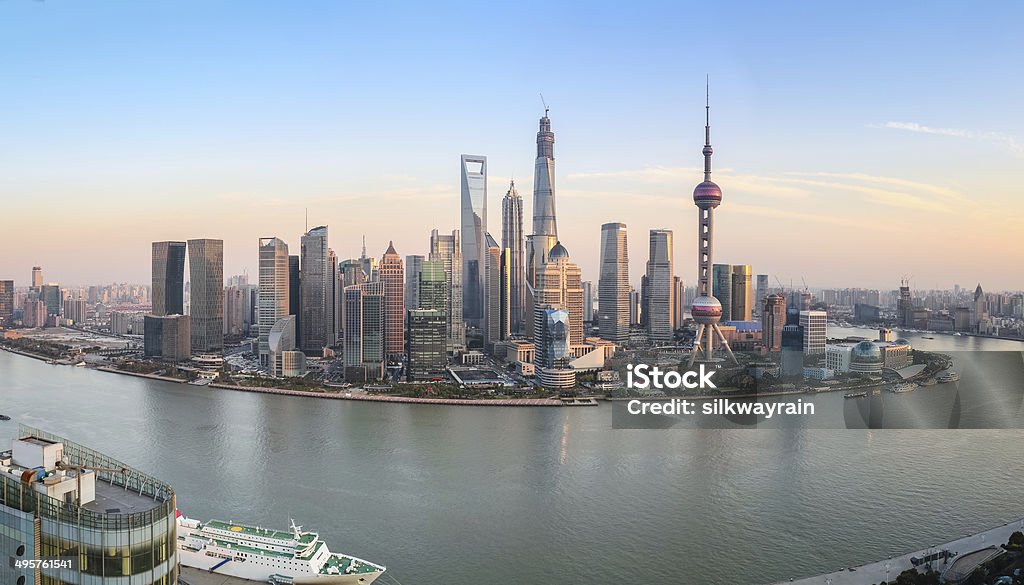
(679, 302)
(392, 274)
(447, 250)
(473, 170)
(426, 345)
(721, 288)
(560, 287)
(234, 310)
(553, 347)
(333, 308)
(742, 293)
(660, 306)
(6, 301)
(315, 293)
(773, 319)
(433, 287)
(588, 301)
(512, 240)
(274, 291)
(545, 229)
(706, 309)
(496, 305)
(168, 278)
(54, 299)
(364, 331)
(206, 272)
(37, 278)
(814, 324)
(413, 266)
(762, 290)
(167, 337)
(613, 285)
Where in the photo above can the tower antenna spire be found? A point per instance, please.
(707, 128)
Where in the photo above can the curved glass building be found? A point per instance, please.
(108, 523)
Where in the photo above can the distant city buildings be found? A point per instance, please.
(37, 279)
(613, 286)
(413, 266)
(742, 293)
(6, 302)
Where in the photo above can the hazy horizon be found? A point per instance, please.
(845, 163)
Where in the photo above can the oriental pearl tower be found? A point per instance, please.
(706, 310)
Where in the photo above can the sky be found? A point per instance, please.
(856, 143)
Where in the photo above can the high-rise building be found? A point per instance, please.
(413, 266)
(392, 274)
(762, 290)
(274, 291)
(635, 307)
(37, 277)
(660, 305)
(206, 272)
(545, 228)
(613, 285)
(553, 347)
(814, 324)
(364, 331)
(473, 171)
(496, 298)
(773, 319)
(315, 293)
(34, 313)
(427, 335)
(588, 301)
(512, 240)
(448, 250)
(53, 298)
(742, 297)
(722, 288)
(560, 287)
(168, 278)
(333, 308)
(6, 301)
(167, 337)
(61, 501)
(295, 291)
(74, 310)
(544, 181)
(707, 309)
(905, 305)
(433, 287)
(679, 302)
(234, 310)
(281, 342)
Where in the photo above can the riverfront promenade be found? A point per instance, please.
(359, 395)
(873, 573)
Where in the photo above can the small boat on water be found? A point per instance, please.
(4, 417)
(855, 395)
(950, 376)
(927, 337)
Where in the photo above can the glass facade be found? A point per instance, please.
(111, 548)
(474, 228)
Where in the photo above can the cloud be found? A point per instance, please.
(1008, 142)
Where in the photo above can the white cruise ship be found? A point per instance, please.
(269, 556)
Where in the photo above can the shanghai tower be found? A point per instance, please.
(545, 231)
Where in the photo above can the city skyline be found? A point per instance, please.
(835, 156)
